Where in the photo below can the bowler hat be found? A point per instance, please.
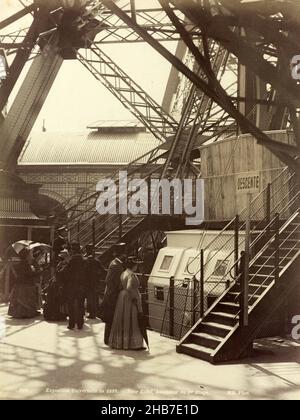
(134, 260)
(62, 229)
(89, 249)
(120, 247)
(75, 247)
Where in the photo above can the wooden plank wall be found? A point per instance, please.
(224, 161)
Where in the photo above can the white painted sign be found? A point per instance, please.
(248, 182)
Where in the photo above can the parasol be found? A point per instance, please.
(14, 249)
(20, 245)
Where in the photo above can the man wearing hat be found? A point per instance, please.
(113, 287)
(74, 277)
(59, 242)
(95, 272)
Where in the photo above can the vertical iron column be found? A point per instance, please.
(277, 249)
(201, 283)
(171, 307)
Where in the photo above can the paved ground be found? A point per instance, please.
(41, 360)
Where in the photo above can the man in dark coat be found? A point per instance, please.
(59, 243)
(74, 279)
(96, 272)
(112, 290)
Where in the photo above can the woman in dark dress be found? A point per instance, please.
(24, 300)
(125, 332)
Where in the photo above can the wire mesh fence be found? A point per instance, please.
(221, 266)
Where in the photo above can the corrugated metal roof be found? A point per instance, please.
(52, 148)
(15, 208)
(115, 124)
(18, 215)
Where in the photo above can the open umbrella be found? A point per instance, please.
(38, 245)
(20, 245)
(14, 249)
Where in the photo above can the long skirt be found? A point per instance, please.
(23, 302)
(125, 332)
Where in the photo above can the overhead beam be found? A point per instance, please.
(18, 63)
(27, 104)
(128, 92)
(25, 11)
(286, 152)
(247, 54)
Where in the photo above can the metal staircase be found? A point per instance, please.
(264, 279)
(84, 223)
(128, 92)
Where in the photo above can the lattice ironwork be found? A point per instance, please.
(126, 90)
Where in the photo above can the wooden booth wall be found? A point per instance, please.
(225, 166)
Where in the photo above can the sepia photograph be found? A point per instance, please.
(149, 202)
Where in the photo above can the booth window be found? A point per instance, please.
(220, 268)
(159, 293)
(166, 262)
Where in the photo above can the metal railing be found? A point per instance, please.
(265, 205)
(98, 228)
(168, 303)
(265, 209)
(277, 260)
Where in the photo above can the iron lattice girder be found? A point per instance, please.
(126, 90)
(16, 16)
(154, 20)
(195, 116)
(283, 151)
(26, 106)
(18, 63)
(216, 27)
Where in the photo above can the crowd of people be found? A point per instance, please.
(74, 290)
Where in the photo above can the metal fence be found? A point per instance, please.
(278, 201)
(168, 304)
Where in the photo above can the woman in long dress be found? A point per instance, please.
(125, 333)
(24, 299)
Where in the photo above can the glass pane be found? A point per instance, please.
(166, 263)
(220, 268)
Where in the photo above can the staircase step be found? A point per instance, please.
(234, 296)
(261, 279)
(292, 226)
(229, 307)
(222, 318)
(290, 235)
(205, 340)
(257, 288)
(129, 226)
(214, 328)
(194, 350)
(261, 269)
(282, 252)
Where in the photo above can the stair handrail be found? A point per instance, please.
(95, 214)
(281, 230)
(262, 235)
(236, 262)
(252, 262)
(244, 211)
(93, 194)
(220, 52)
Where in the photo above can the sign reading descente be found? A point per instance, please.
(248, 182)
